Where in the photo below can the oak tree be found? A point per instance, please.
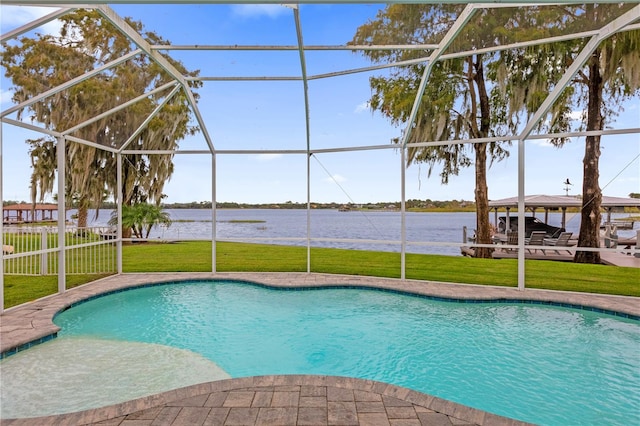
(456, 103)
(599, 89)
(86, 42)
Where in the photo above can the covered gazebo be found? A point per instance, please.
(28, 213)
(559, 202)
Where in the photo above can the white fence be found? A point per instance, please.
(34, 251)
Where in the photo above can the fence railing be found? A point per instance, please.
(34, 251)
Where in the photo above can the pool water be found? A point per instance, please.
(89, 373)
(540, 364)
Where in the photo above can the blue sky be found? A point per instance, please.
(270, 115)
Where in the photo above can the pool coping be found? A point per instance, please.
(32, 323)
(326, 399)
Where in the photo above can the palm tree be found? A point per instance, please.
(140, 218)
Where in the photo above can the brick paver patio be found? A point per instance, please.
(281, 400)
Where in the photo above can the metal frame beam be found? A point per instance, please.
(35, 24)
(453, 32)
(582, 58)
(29, 126)
(119, 107)
(390, 146)
(91, 144)
(305, 85)
(294, 48)
(388, 65)
(604, 33)
(1, 228)
(61, 154)
(69, 83)
(285, 2)
(133, 35)
(155, 112)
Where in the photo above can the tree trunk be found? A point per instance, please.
(147, 230)
(591, 193)
(83, 215)
(126, 233)
(483, 227)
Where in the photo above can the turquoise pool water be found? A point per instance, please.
(541, 364)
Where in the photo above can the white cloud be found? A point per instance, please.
(5, 96)
(13, 17)
(364, 106)
(257, 10)
(335, 179)
(268, 157)
(545, 143)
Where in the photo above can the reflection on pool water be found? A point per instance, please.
(540, 364)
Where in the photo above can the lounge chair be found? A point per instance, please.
(536, 239)
(7, 249)
(561, 241)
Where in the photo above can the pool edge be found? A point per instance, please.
(25, 325)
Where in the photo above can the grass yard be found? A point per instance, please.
(20, 289)
(195, 256)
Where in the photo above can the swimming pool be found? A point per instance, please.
(536, 363)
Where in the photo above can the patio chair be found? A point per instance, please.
(561, 241)
(536, 239)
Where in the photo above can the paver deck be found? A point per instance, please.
(620, 259)
(281, 400)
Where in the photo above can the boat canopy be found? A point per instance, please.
(560, 202)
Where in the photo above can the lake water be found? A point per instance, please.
(432, 233)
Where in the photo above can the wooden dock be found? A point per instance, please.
(620, 259)
(607, 258)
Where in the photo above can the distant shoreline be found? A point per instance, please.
(414, 206)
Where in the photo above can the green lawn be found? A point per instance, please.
(25, 288)
(195, 256)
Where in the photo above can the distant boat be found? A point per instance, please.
(563, 202)
(344, 209)
(530, 224)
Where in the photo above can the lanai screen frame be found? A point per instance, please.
(628, 21)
